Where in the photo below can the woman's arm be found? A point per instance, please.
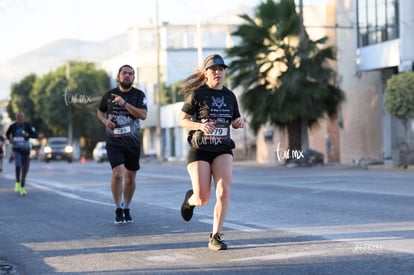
(186, 123)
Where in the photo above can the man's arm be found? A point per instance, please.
(32, 131)
(101, 117)
(9, 133)
(136, 112)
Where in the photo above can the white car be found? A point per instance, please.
(99, 152)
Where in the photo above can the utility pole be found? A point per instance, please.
(301, 25)
(70, 125)
(199, 43)
(158, 46)
(303, 120)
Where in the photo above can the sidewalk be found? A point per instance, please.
(390, 167)
(328, 166)
(253, 163)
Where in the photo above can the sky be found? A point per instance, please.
(29, 24)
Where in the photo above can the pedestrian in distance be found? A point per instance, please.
(208, 112)
(2, 142)
(19, 134)
(120, 111)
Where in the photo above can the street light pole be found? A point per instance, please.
(303, 120)
(199, 43)
(158, 46)
(70, 125)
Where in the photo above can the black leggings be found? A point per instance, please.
(22, 167)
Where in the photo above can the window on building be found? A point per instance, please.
(377, 21)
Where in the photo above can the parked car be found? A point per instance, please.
(35, 147)
(99, 152)
(57, 148)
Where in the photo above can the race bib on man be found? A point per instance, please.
(122, 131)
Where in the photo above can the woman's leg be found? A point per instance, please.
(200, 175)
(222, 170)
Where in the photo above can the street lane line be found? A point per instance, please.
(234, 226)
(280, 256)
(66, 194)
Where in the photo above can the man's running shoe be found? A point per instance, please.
(23, 191)
(216, 243)
(187, 209)
(119, 216)
(127, 215)
(17, 187)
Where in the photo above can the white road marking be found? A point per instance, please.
(280, 256)
(234, 226)
(43, 186)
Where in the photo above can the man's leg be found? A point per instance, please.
(18, 165)
(25, 169)
(116, 187)
(129, 190)
(129, 185)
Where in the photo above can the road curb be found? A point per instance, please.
(390, 168)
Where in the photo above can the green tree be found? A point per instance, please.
(170, 94)
(399, 100)
(21, 99)
(286, 77)
(67, 99)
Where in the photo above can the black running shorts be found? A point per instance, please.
(196, 155)
(128, 156)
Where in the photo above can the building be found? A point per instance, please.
(374, 40)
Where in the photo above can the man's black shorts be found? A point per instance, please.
(128, 156)
(196, 155)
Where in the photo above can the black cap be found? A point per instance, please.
(214, 60)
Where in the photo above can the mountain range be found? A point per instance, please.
(47, 58)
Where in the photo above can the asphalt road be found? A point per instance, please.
(324, 220)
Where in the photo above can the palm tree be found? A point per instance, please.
(286, 77)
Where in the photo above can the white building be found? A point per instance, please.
(378, 45)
